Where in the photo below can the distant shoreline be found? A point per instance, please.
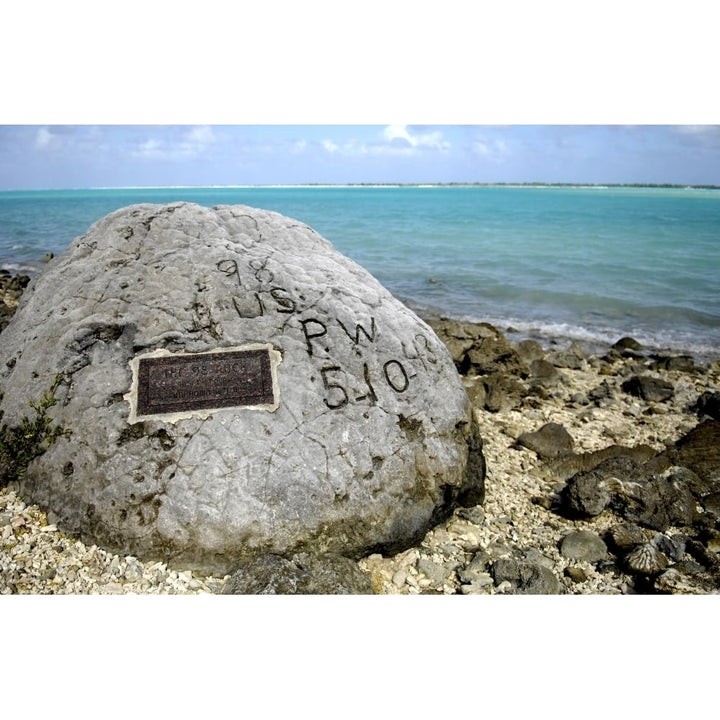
(538, 184)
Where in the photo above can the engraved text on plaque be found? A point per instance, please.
(204, 381)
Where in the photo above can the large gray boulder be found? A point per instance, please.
(234, 386)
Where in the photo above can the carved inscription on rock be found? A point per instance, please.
(181, 385)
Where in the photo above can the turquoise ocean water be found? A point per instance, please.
(586, 263)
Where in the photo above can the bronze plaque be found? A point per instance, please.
(182, 383)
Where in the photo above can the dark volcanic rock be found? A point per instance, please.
(708, 404)
(649, 388)
(628, 488)
(627, 343)
(502, 392)
(477, 348)
(303, 574)
(681, 363)
(526, 578)
(550, 441)
(699, 450)
(627, 347)
(625, 536)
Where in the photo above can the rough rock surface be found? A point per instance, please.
(367, 443)
(302, 574)
(522, 518)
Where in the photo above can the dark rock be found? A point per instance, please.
(303, 574)
(681, 363)
(526, 578)
(657, 503)
(478, 348)
(699, 450)
(627, 343)
(624, 536)
(648, 388)
(502, 392)
(583, 545)
(711, 505)
(628, 488)
(673, 547)
(626, 347)
(586, 494)
(491, 351)
(458, 337)
(568, 465)
(708, 404)
(550, 441)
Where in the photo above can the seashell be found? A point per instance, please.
(646, 559)
(627, 535)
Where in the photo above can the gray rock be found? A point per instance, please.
(354, 436)
(435, 573)
(303, 574)
(476, 568)
(550, 441)
(543, 373)
(604, 394)
(573, 357)
(526, 578)
(583, 545)
(649, 388)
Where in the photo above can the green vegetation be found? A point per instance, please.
(20, 445)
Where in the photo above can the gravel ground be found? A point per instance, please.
(515, 519)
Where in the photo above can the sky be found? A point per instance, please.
(82, 156)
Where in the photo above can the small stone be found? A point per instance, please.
(583, 545)
(646, 559)
(436, 574)
(399, 578)
(525, 578)
(576, 574)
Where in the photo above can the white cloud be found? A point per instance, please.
(394, 140)
(432, 140)
(43, 138)
(189, 144)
